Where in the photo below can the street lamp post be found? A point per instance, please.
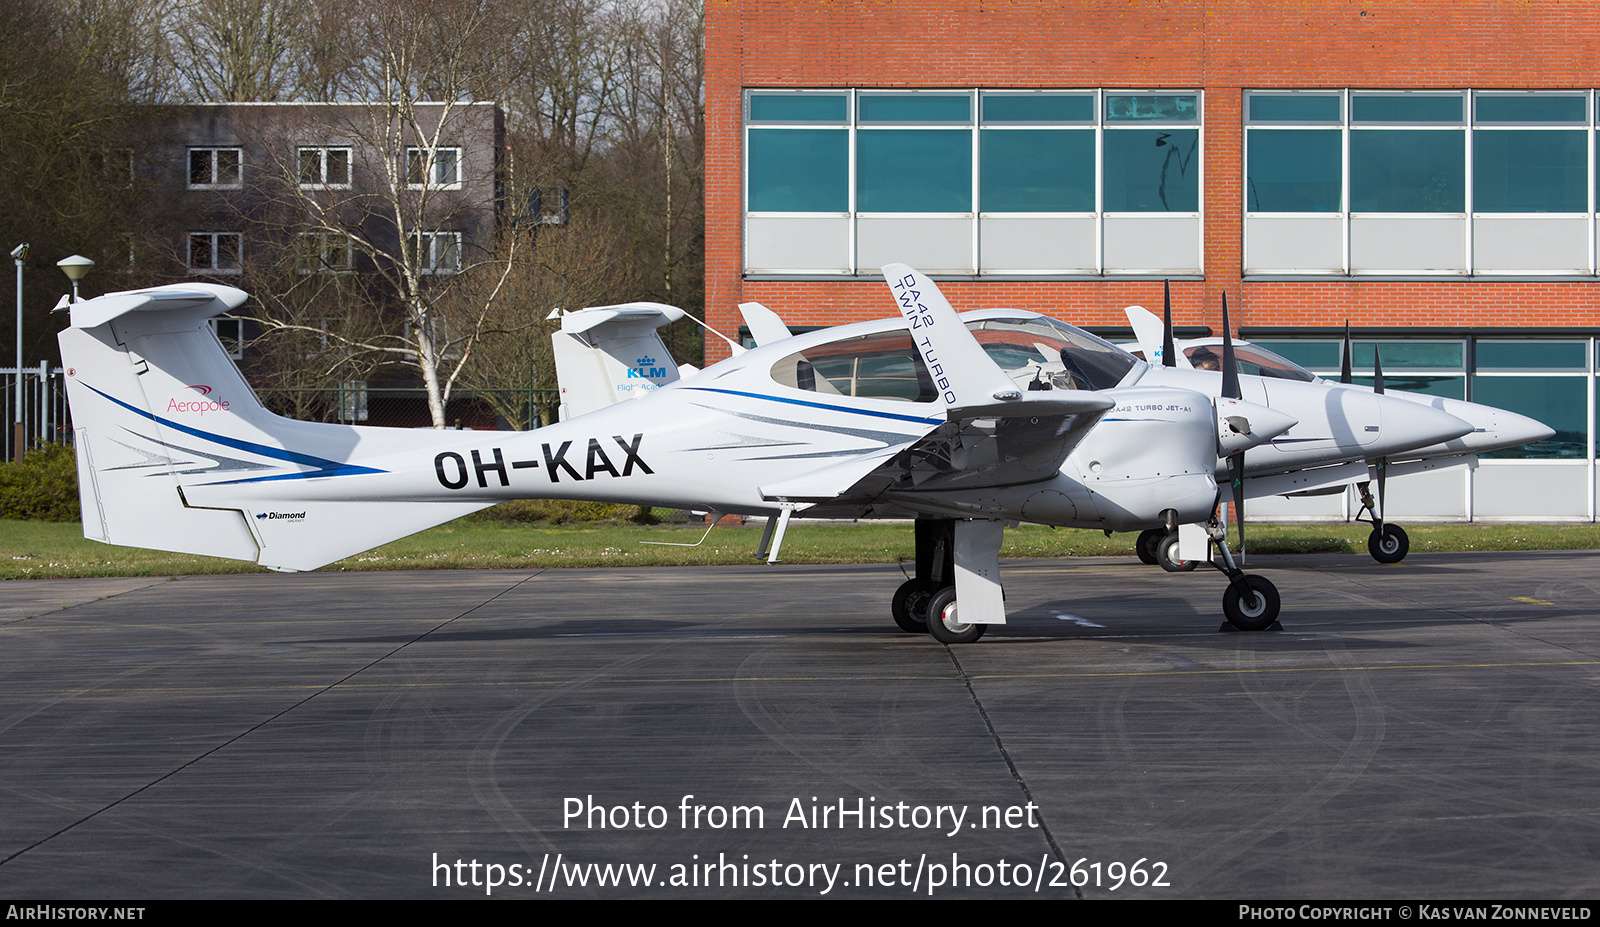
(19, 254)
(75, 267)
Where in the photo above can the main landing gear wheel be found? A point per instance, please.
(1167, 555)
(1389, 545)
(1256, 613)
(910, 605)
(1146, 545)
(944, 622)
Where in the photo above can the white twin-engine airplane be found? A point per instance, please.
(1317, 457)
(961, 423)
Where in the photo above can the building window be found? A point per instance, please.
(325, 167)
(435, 168)
(230, 333)
(1084, 182)
(116, 167)
(324, 252)
(214, 168)
(214, 252)
(437, 252)
(1419, 182)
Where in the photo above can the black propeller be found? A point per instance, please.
(1169, 352)
(1232, 390)
(1345, 355)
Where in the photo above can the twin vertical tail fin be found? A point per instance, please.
(176, 453)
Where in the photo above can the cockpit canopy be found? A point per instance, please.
(1037, 352)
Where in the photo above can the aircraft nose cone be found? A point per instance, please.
(1508, 429)
(1408, 425)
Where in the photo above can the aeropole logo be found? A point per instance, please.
(196, 406)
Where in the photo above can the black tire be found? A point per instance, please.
(910, 605)
(1146, 545)
(1167, 555)
(1256, 615)
(944, 622)
(1390, 546)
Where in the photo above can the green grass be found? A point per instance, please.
(39, 550)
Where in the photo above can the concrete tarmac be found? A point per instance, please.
(1419, 731)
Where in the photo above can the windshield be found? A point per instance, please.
(1037, 353)
(1042, 353)
(1253, 361)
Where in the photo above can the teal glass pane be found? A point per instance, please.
(1038, 108)
(1433, 355)
(1550, 355)
(1152, 170)
(915, 107)
(1543, 108)
(1298, 107)
(1445, 387)
(1312, 355)
(1152, 107)
(1560, 402)
(799, 107)
(799, 170)
(914, 170)
(1405, 108)
(1530, 171)
(1407, 170)
(1294, 170)
(1036, 170)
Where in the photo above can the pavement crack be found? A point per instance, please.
(1016, 774)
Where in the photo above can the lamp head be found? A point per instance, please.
(75, 267)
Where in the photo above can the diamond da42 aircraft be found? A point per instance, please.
(962, 423)
(1317, 457)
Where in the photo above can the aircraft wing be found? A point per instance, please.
(993, 435)
(992, 444)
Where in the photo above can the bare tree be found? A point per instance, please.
(237, 50)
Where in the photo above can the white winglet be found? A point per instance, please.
(764, 324)
(963, 373)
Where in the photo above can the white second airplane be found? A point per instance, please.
(1318, 456)
(961, 423)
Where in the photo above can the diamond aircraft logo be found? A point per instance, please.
(281, 516)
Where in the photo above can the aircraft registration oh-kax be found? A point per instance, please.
(963, 424)
(1322, 453)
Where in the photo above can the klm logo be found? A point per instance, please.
(644, 369)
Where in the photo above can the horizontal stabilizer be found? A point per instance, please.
(184, 302)
(607, 354)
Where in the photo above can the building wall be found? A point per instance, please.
(267, 206)
(1219, 48)
(1222, 50)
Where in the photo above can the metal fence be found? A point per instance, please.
(355, 403)
(46, 418)
(44, 407)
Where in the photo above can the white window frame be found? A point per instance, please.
(323, 242)
(430, 258)
(432, 164)
(212, 154)
(216, 238)
(321, 153)
(1180, 233)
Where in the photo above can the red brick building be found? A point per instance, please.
(1425, 170)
